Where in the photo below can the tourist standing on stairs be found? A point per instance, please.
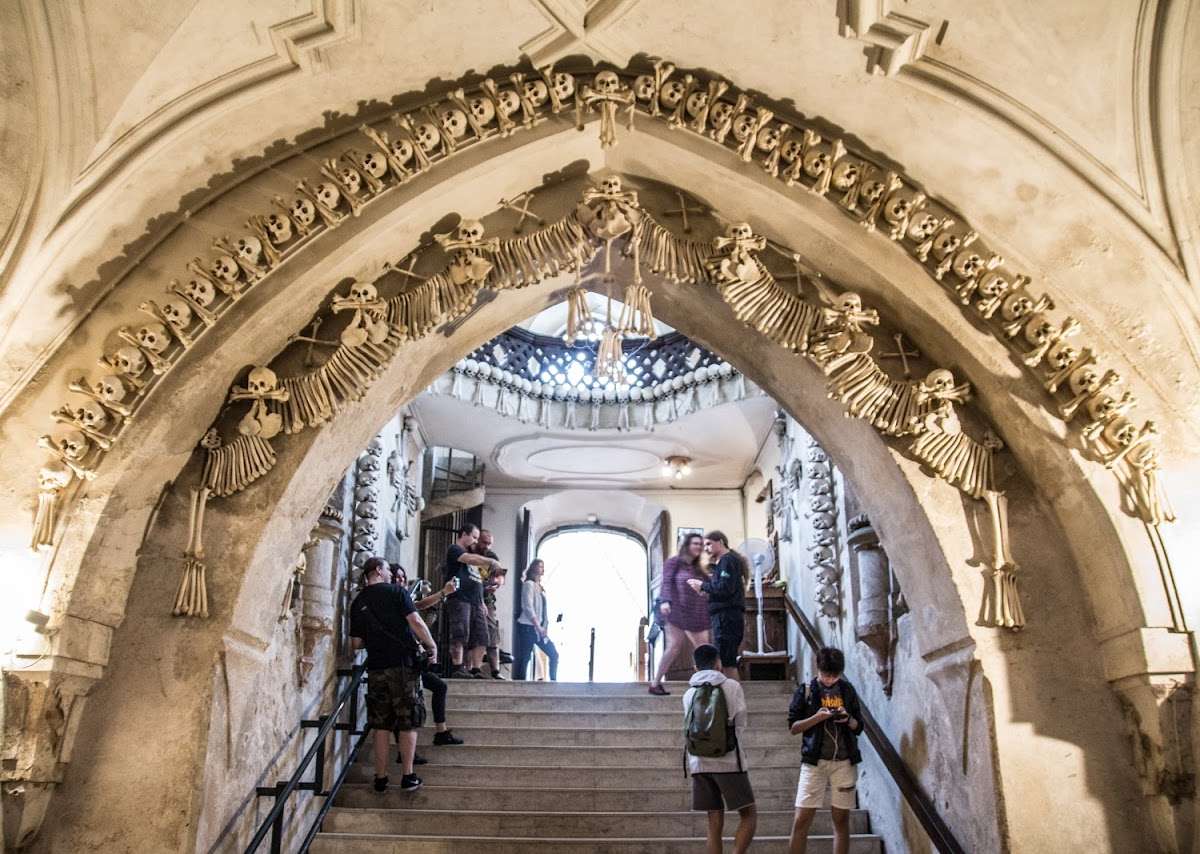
(467, 613)
(384, 620)
(684, 609)
(430, 681)
(726, 589)
(492, 582)
(827, 713)
(532, 624)
(714, 715)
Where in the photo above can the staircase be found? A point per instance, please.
(573, 767)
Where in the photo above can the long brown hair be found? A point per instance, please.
(537, 561)
(683, 548)
(743, 564)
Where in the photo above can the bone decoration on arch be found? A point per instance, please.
(803, 157)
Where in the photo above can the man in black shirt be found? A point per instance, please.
(467, 613)
(726, 589)
(384, 620)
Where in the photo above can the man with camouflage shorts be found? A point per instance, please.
(492, 582)
(384, 620)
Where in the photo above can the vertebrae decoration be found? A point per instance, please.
(798, 155)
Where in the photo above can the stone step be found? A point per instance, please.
(658, 737)
(357, 843)
(594, 703)
(481, 716)
(385, 822)
(546, 777)
(589, 757)
(499, 688)
(655, 799)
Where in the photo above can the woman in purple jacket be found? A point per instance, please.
(685, 611)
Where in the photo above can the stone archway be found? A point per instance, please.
(260, 525)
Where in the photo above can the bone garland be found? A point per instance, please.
(841, 336)
(636, 318)
(1001, 600)
(893, 406)
(1149, 497)
(191, 600)
(579, 315)
(669, 256)
(53, 478)
(941, 444)
(231, 468)
(608, 95)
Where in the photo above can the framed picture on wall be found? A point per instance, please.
(681, 533)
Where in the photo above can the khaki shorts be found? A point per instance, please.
(839, 776)
(727, 791)
(394, 699)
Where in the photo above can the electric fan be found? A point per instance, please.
(761, 556)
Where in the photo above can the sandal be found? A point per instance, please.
(659, 691)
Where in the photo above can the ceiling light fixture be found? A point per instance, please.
(677, 467)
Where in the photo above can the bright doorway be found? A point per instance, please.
(596, 579)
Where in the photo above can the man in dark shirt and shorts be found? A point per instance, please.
(492, 582)
(466, 611)
(384, 620)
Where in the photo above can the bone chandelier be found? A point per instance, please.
(832, 335)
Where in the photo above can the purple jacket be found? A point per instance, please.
(689, 610)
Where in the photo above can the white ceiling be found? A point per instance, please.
(722, 442)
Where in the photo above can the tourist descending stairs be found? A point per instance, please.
(572, 767)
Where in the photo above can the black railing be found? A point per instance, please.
(274, 825)
(922, 807)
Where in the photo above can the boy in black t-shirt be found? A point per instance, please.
(467, 613)
(384, 620)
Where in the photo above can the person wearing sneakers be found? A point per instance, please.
(430, 681)
(827, 713)
(465, 609)
(493, 581)
(384, 620)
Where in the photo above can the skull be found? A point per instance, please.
(328, 195)
(427, 136)
(993, 285)
(249, 249)
(815, 163)
(364, 292)
(1061, 355)
(454, 122)
(720, 112)
(130, 361)
(262, 380)
(304, 211)
(1016, 305)
(637, 394)
(177, 312)
(350, 179)
(482, 110)
(643, 87)
(671, 94)
(109, 388)
(1120, 432)
(846, 174)
(154, 337)
(585, 396)
(402, 150)
(374, 164)
(607, 82)
(564, 85)
(849, 302)
(768, 138)
(224, 268)
(967, 265)
(366, 510)
(279, 227)
(739, 231)
(701, 375)
(743, 126)
(872, 190)
(610, 185)
(939, 380)
(507, 102)
(945, 243)
(923, 227)
(92, 415)
(201, 291)
(610, 395)
(54, 476)
(75, 445)
(471, 367)
(791, 150)
(726, 370)
(536, 92)
(1084, 378)
(696, 102)
(470, 231)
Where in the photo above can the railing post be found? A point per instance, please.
(592, 656)
(277, 824)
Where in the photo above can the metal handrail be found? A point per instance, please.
(273, 824)
(920, 803)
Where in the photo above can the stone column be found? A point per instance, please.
(873, 619)
(318, 588)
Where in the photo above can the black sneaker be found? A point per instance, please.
(505, 658)
(444, 738)
(381, 784)
(418, 759)
(496, 674)
(460, 673)
(409, 783)
(476, 673)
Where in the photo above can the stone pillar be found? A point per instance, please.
(318, 588)
(873, 618)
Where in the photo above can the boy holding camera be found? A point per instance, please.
(826, 712)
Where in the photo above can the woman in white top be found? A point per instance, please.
(532, 624)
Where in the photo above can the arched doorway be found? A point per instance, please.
(597, 578)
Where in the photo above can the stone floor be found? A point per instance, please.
(571, 767)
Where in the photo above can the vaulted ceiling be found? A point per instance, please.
(1069, 130)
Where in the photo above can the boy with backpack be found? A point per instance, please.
(826, 712)
(714, 715)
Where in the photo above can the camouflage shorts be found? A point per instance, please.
(394, 699)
